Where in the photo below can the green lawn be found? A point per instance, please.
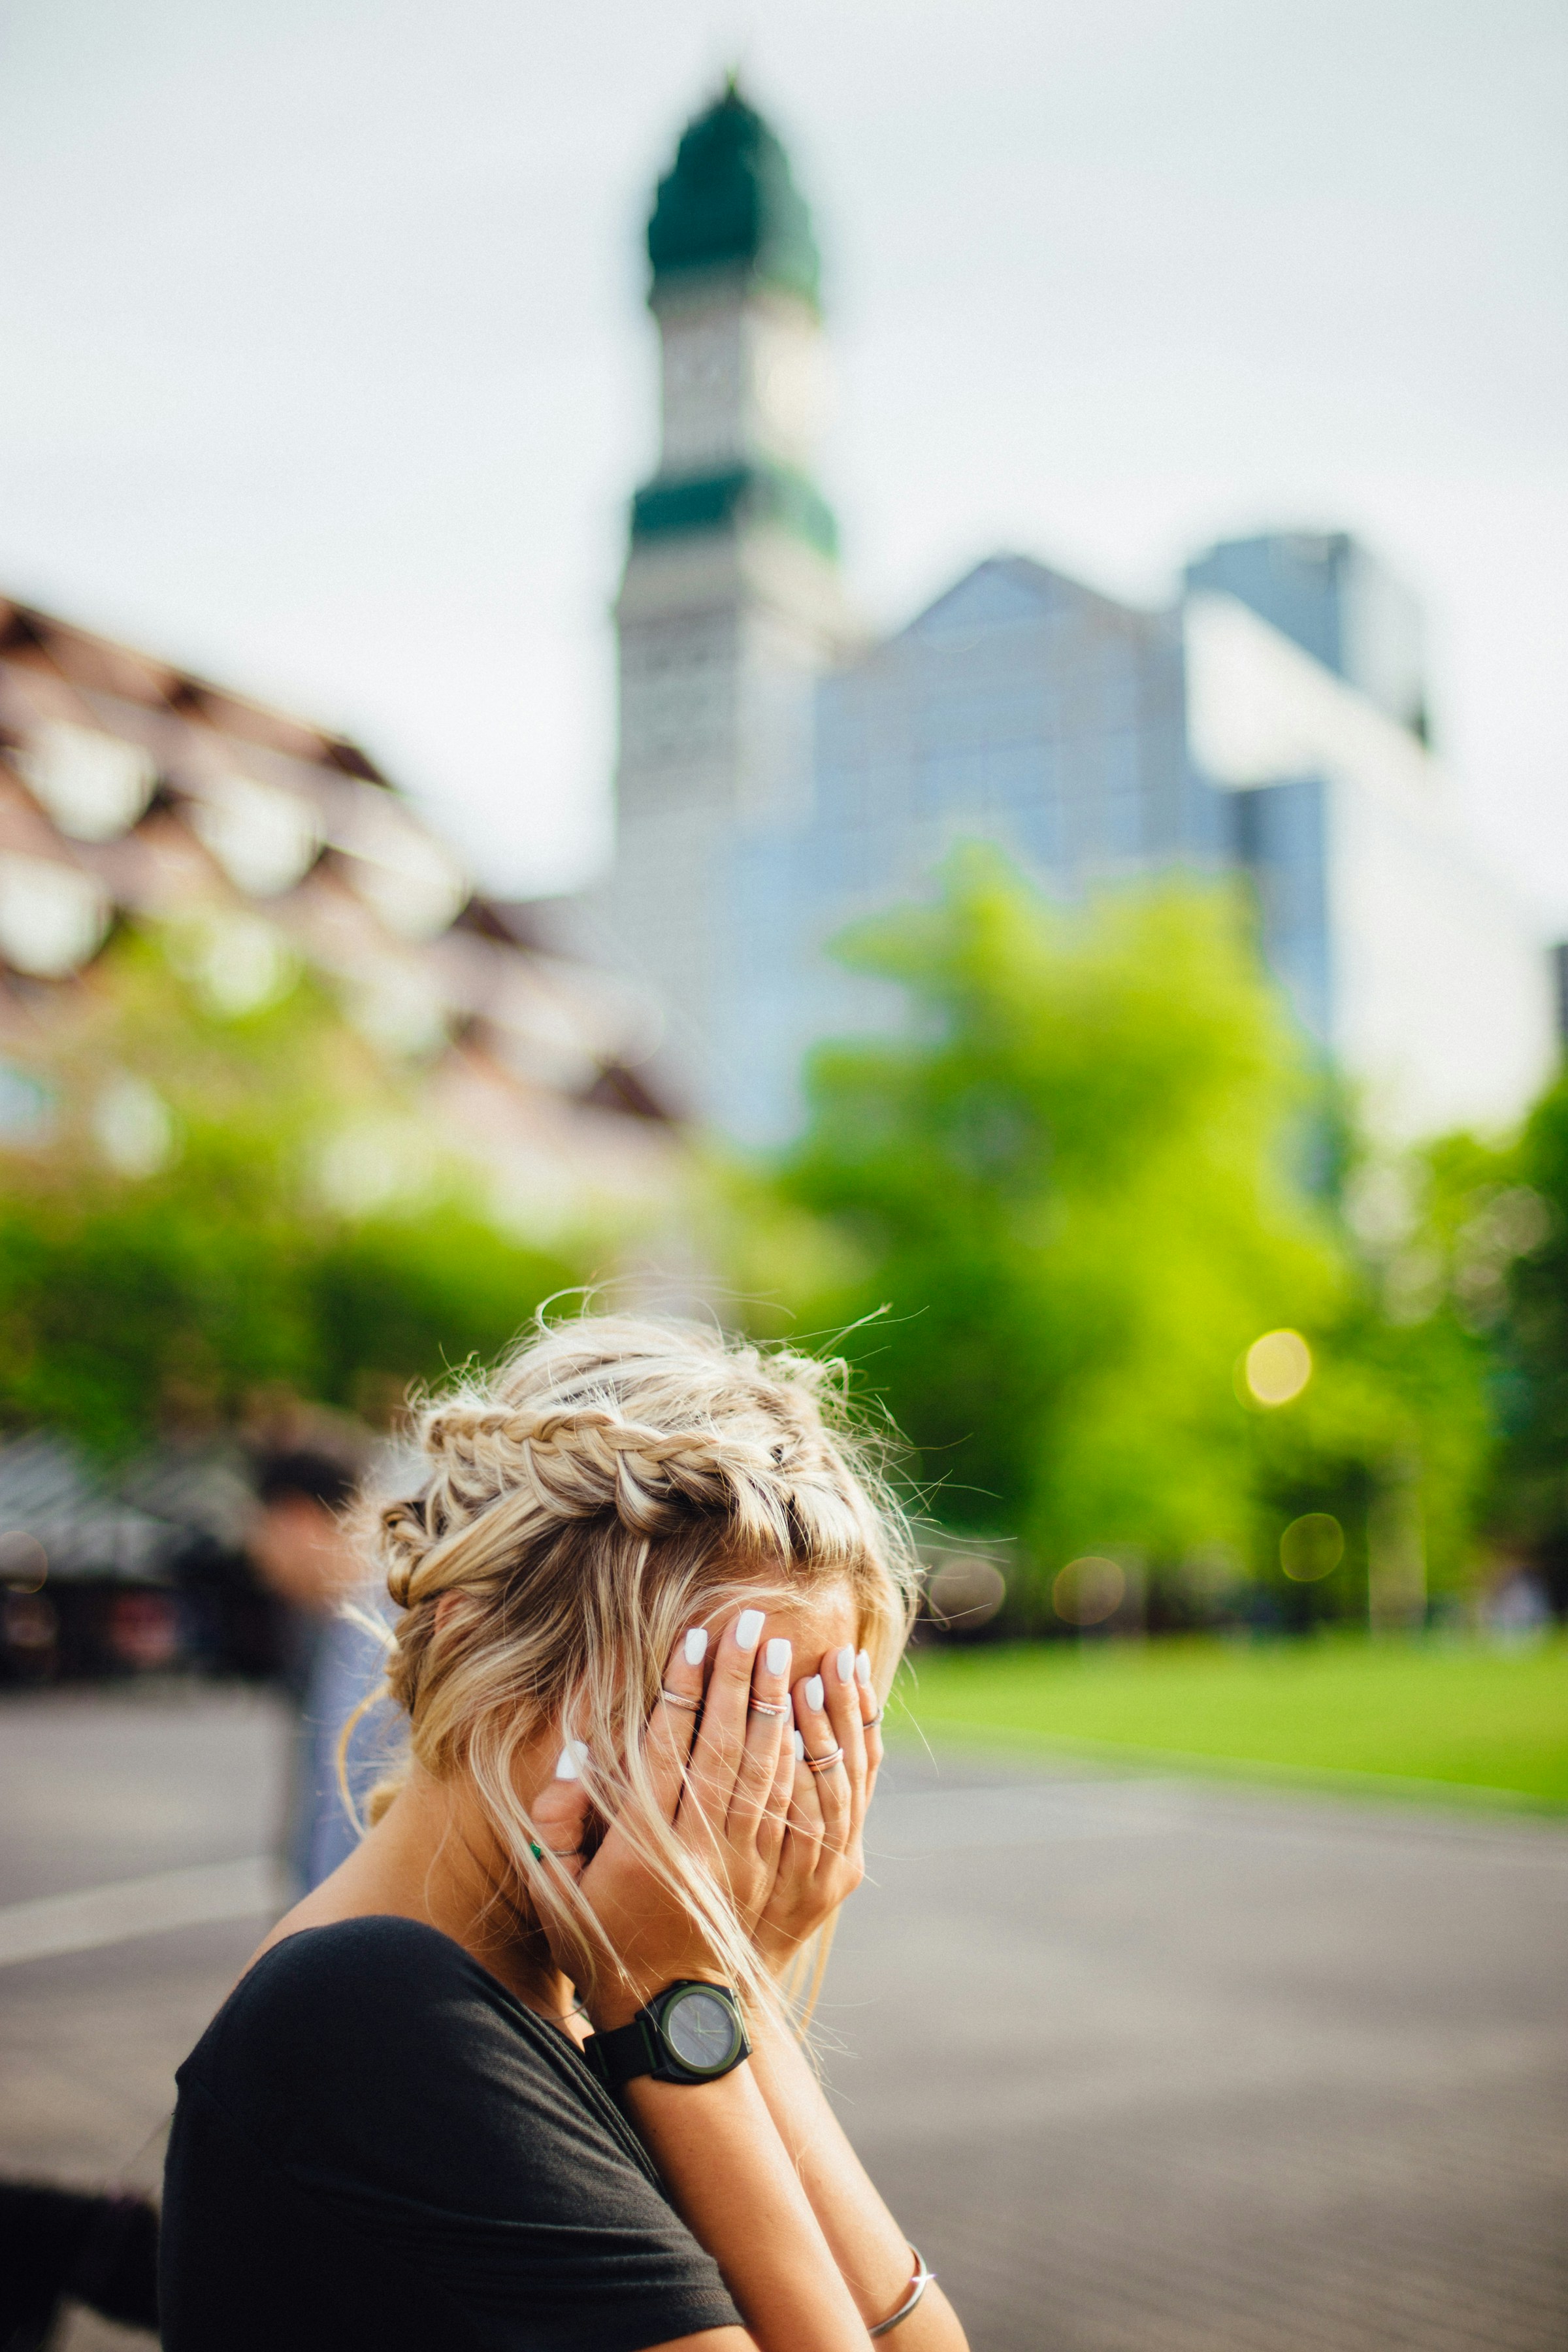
(1425, 1712)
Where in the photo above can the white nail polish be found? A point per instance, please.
(799, 1748)
(845, 1662)
(697, 1646)
(777, 1655)
(814, 1694)
(749, 1628)
(573, 1755)
(863, 1669)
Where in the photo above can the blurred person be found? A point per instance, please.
(303, 1554)
(522, 2072)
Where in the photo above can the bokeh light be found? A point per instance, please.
(1276, 1368)
(1312, 1545)
(24, 1563)
(1089, 1590)
(965, 1591)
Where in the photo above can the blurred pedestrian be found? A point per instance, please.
(302, 1554)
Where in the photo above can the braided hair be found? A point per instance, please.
(619, 1479)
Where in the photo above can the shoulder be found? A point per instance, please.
(359, 2016)
(361, 1973)
(382, 2075)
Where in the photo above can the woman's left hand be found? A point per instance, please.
(824, 1855)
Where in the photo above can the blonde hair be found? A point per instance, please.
(618, 1480)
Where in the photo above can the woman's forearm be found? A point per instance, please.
(733, 2180)
(866, 2241)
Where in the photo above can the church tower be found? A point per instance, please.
(730, 604)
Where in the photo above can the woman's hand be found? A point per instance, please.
(724, 1787)
(824, 1855)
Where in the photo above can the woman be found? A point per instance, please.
(519, 2073)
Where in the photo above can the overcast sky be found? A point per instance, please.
(323, 365)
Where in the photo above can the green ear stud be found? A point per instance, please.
(536, 1850)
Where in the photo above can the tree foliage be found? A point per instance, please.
(169, 1295)
(1517, 1265)
(1091, 1171)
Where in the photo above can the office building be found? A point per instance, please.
(780, 777)
(1329, 595)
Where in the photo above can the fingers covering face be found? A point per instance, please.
(717, 1773)
(828, 1713)
(718, 1728)
(766, 1732)
(672, 1726)
(725, 1732)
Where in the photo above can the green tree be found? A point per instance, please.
(169, 1293)
(1514, 1267)
(1077, 1184)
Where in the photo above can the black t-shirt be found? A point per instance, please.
(376, 2145)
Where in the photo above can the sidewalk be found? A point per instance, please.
(1145, 2064)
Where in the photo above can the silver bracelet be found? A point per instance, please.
(918, 2285)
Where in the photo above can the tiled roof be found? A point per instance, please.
(131, 791)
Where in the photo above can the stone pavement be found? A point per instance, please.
(1143, 2065)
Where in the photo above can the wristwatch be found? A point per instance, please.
(689, 2033)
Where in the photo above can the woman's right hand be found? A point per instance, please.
(724, 1785)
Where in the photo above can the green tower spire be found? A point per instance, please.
(731, 203)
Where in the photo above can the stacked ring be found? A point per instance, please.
(824, 1763)
(673, 1698)
(767, 1707)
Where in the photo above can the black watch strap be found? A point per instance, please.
(692, 2031)
(619, 2056)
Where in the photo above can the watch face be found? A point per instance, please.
(702, 2031)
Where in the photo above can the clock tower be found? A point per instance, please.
(731, 605)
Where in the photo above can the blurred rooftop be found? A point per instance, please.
(132, 792)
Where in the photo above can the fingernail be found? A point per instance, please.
(799, 1748)
(777, 1655)
(814, 1694)
(697, 1646)
(845, 1662)
(863, 1669)
(749, 1628)
(572, 1756)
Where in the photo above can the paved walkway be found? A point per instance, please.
(1144, 2065)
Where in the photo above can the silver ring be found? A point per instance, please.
(673, 1698)
(871, 1721)
(767, 1707)
(823, 1763)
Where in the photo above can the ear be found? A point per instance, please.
(448, 1601)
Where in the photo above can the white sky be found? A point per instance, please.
(323, 366)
